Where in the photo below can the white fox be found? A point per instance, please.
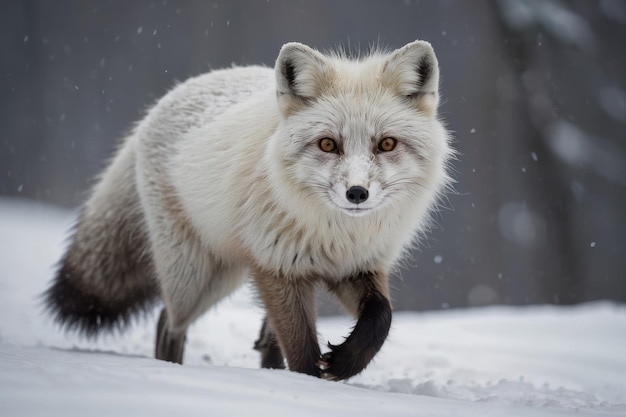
(321, 171)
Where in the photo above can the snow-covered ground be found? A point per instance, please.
(496, 361)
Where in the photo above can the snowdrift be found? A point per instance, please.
(498, 361)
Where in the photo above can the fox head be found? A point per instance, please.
(356, 136)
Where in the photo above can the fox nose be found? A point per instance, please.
(357, 194)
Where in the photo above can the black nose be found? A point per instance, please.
(357, 194)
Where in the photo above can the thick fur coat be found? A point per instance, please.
(322, 170)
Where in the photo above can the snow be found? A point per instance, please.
(496, 361)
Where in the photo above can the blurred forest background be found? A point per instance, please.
(534, 91)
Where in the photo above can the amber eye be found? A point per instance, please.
(328, 145)
(387, 144)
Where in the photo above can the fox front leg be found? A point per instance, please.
(366, 296)
(290, 306)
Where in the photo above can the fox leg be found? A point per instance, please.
(169, 345)
(267, 344)
(183, 287)
(191, 281)
(366, 297)
(290, 305)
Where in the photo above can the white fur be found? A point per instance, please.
(230, 174)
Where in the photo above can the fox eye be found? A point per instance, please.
(328, 145)
(387, 144)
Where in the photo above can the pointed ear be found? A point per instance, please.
(301, 73)
(413, 72)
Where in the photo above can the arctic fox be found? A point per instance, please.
(321, 171)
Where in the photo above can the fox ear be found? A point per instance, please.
(413, 72)
(301, 73)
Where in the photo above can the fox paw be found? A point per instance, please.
(342, 362)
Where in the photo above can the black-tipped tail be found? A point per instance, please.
(90, 313)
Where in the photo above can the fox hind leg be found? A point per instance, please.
(267, 344)
(191, 282)
(169, 346)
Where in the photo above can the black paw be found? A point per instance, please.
(343, 361)
(367, 337)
